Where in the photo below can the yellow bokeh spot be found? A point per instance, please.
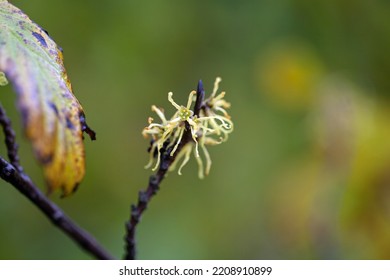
(288, 74)
(3, 79)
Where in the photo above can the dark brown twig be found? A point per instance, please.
(199, 98)
(13, 174)
(10, 143)
(23, 184)
(145, 196)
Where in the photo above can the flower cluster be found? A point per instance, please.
(210, 127)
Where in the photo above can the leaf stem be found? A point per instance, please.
(144, 196)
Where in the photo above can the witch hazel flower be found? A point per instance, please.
(185, 131)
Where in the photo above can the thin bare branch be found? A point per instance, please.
(145, 196)
(24, 184)
(10, 142)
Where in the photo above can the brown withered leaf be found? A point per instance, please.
(53, 118)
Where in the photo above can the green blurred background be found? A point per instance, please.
(305, 174)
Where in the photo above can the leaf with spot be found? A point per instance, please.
(53, 118)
